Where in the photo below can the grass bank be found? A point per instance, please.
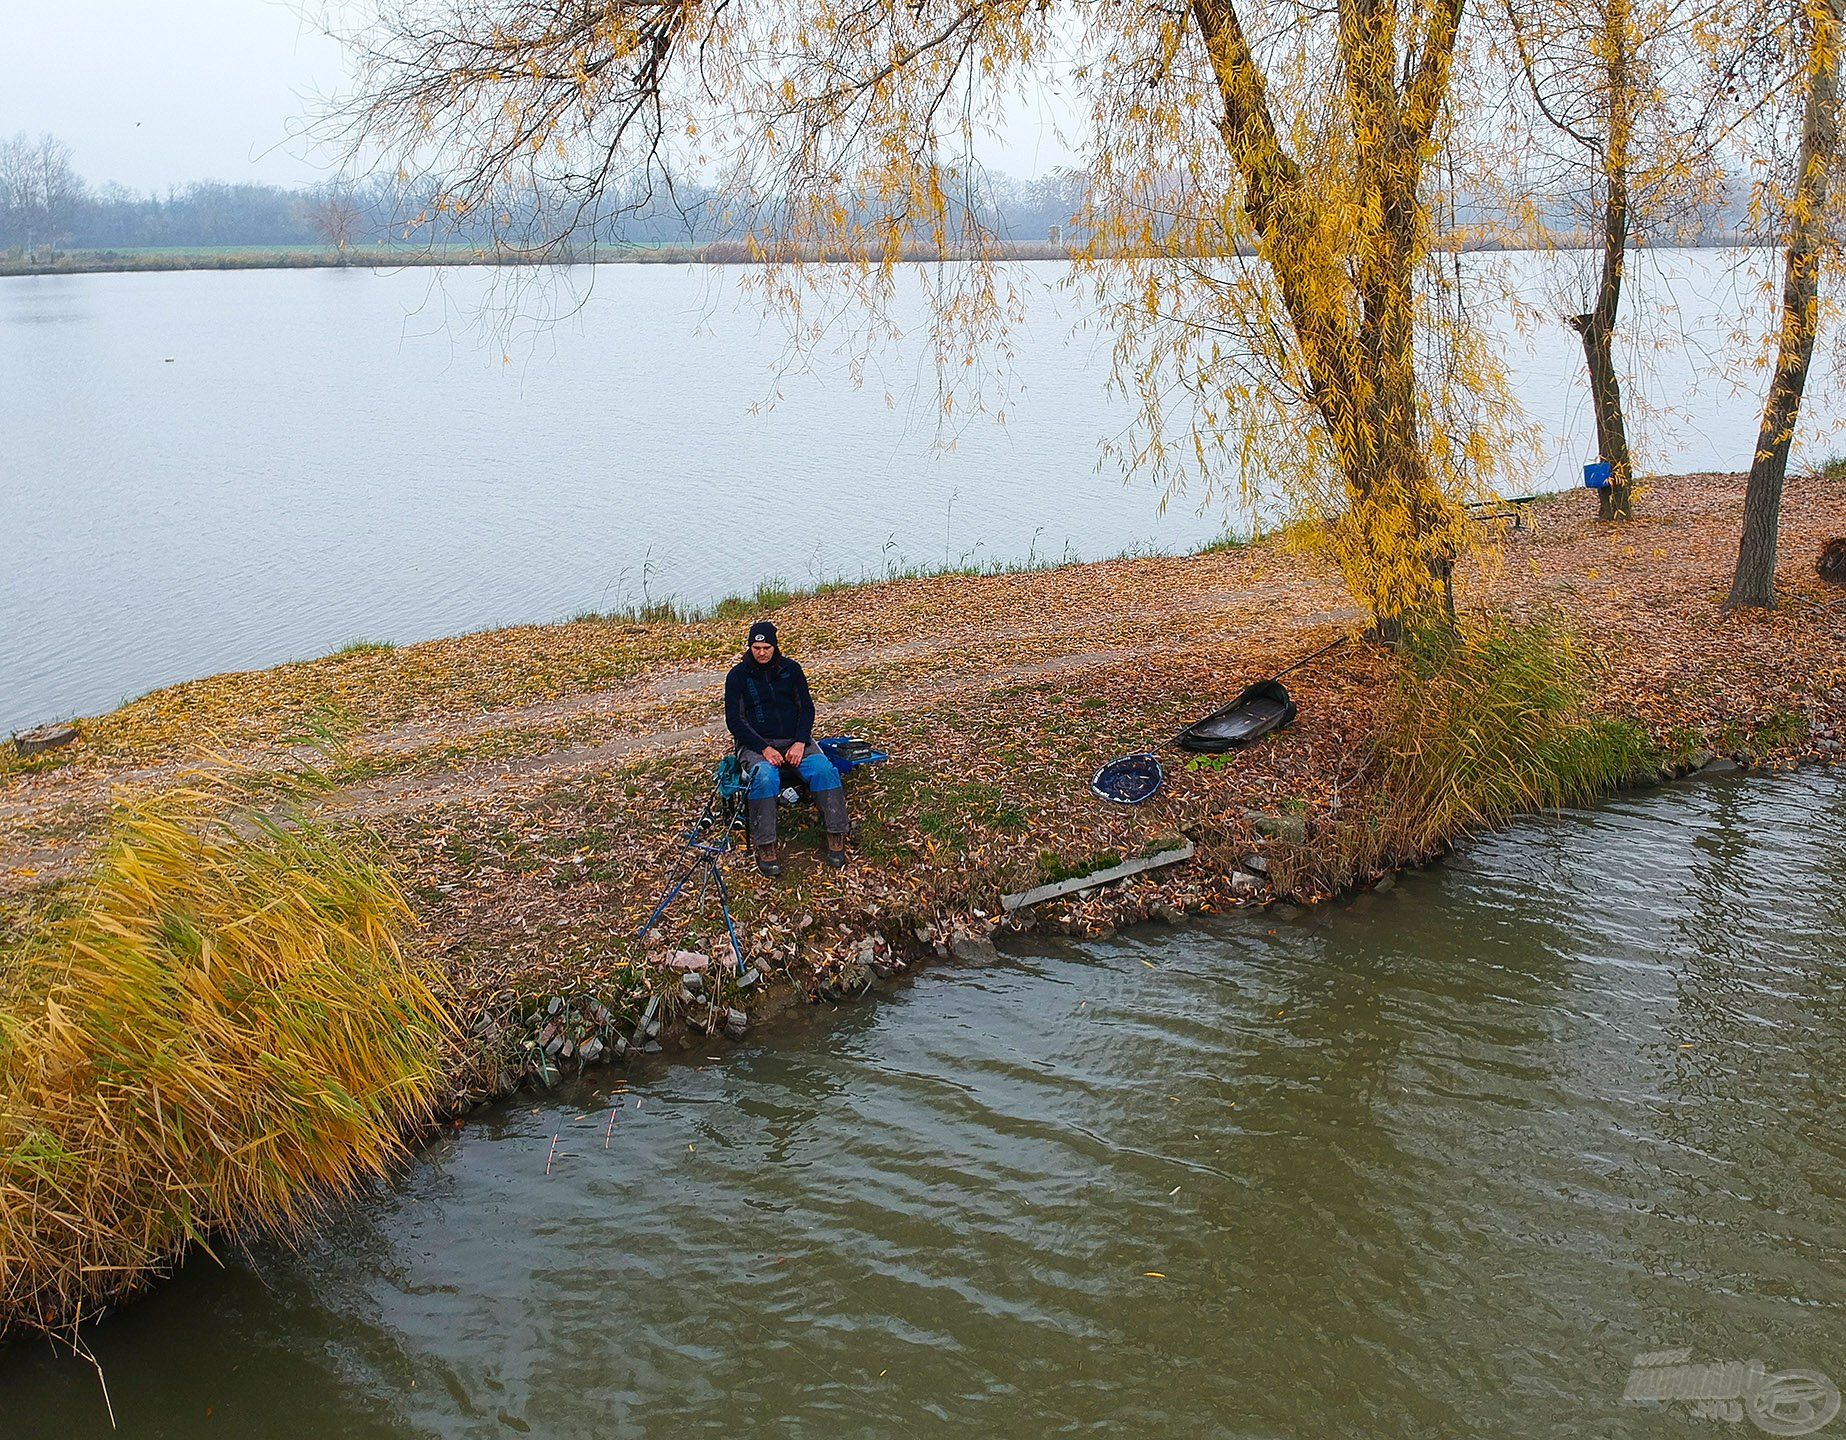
(529, 788)
(1484, 722)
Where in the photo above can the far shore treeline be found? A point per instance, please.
(48, 210)
(53, 220)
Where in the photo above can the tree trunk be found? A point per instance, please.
(1351, 299)
(1753, 584)
(1598, 327)
(1401, 563)
(1617, 498)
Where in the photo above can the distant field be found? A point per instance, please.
(308, 257)
(211, 252)
(249, 257)
(192, 257)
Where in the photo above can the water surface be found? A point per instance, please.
(209, 471)
(1441, 1162)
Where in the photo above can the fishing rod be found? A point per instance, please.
(1333, 644)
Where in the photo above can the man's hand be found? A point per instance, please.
(773, 756)
(795, 752)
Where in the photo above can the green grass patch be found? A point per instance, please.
(1680, 748)
(1226, 545)
(365, 647)
(13, 763)
(1778, 730)
(899, 801)
(768, 595)
(1053, 868)
(773, 593)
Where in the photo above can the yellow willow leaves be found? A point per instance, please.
(1255, 228)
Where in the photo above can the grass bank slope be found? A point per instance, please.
(530, 785)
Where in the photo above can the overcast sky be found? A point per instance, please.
(158, 92)
(154, 93)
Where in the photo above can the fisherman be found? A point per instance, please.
(771, 714)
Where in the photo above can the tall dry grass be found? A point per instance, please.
(219, 1033)
(1490, 719)
(1498, 719)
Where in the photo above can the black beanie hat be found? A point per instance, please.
(762, 630)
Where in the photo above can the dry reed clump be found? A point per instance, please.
(218, 1034)
(1491, 719)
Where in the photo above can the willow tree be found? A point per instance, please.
(1626, 128)
(1264, 177)
(1800, 196)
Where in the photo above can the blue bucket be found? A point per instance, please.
(1596, 476)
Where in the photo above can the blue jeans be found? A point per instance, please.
(822, 780)
(766, 779)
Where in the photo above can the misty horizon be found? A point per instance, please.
(204, 91)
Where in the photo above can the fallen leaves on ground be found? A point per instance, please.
(533, 785)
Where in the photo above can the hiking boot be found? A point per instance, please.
(768, 860)
(836, 850)
(762, 815)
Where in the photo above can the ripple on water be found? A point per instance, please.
(1438, 1162)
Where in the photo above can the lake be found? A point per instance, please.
(1468, 1158)
(208, 471)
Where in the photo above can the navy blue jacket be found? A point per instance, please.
(769, 704)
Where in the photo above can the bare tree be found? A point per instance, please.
(61, 190)
(1617, 82)
(335, 213)
(16, 192)
(40, 191)
(1807, 243)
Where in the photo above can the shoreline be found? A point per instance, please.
(175, 259)
(131, 260)
(968, 942)
(528, 786)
